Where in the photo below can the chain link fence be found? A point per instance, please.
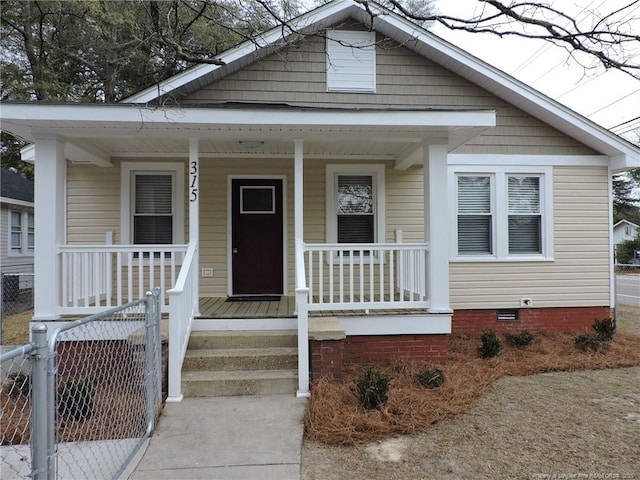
(17, 293)
(80, 400)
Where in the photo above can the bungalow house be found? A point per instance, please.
(624, 230)
(386, 186)
(16, 241)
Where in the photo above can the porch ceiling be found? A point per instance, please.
(99, 133)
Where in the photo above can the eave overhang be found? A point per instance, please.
(81, 125)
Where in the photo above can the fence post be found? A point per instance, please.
(39, 404)
(153, 356)
(149, 347)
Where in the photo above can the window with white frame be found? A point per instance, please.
(21, 233)
(351, 61)
(503, 214)
(525, 217)
(152, 203)
(355, 203)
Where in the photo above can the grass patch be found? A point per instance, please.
(15, 328)
(334, 415)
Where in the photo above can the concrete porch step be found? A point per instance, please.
(227, 363)
(268, 358)
(242, 339)
(238, 382)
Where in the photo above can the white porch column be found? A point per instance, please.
(302, 291)
(436, 227)
(194, 209)
(298, 185)
(49, 195)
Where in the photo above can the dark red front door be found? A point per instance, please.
(256, 248)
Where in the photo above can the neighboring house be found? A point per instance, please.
(370, 169)
(624, 230)
(17, 220)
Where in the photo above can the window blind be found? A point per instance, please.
(475, 234)
(356, 217)
(153, 212)
(525, 220)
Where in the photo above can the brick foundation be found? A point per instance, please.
(329, 356)
(561, 319)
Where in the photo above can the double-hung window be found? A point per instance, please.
(355, 203)
(21, 233)
(152, 203)
(525, 217)
(475, 215)
(505, 214)
(153, 211)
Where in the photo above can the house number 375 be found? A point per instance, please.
(193, 173)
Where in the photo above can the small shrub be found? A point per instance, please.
(491, 344)
(373, 387)
(75, 399)
(604, 328)
(519, 340)
(18, 384)
(432, 378)
(590, 341)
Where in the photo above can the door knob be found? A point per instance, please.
(234, 250)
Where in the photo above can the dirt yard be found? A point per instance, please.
(583, 425)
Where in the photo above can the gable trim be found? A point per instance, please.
(623, 154)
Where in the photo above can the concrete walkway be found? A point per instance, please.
(228, 438)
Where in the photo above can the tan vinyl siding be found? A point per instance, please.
(93, 204)
(579, 274)
(296, 76)
(93, 208)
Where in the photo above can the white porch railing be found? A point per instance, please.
(366, 276)
(95, 277)
(183, 307)
(302, 304)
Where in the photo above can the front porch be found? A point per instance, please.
(381, 285)
(284, 307)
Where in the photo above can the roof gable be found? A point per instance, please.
(14, 186)
(422, 42)
(627, 222)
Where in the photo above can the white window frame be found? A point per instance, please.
(24, 251)
(499, 175)
(129, 169)
(377, 171)
(351, 61)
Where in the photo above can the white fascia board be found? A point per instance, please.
(269, 38)
(18, 203)
(28, 153)
(627, 222)
(82, 153)
(539, 105)
(37, 115)
(484, 160)
(74, 152)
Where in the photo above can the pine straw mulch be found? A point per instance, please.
(334, 416)
(118, 412)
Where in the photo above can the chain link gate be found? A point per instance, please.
(79, 401)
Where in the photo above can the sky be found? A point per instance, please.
(606, 97)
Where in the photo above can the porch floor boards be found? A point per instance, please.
(219, 307)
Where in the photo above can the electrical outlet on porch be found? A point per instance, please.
(206, 272)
